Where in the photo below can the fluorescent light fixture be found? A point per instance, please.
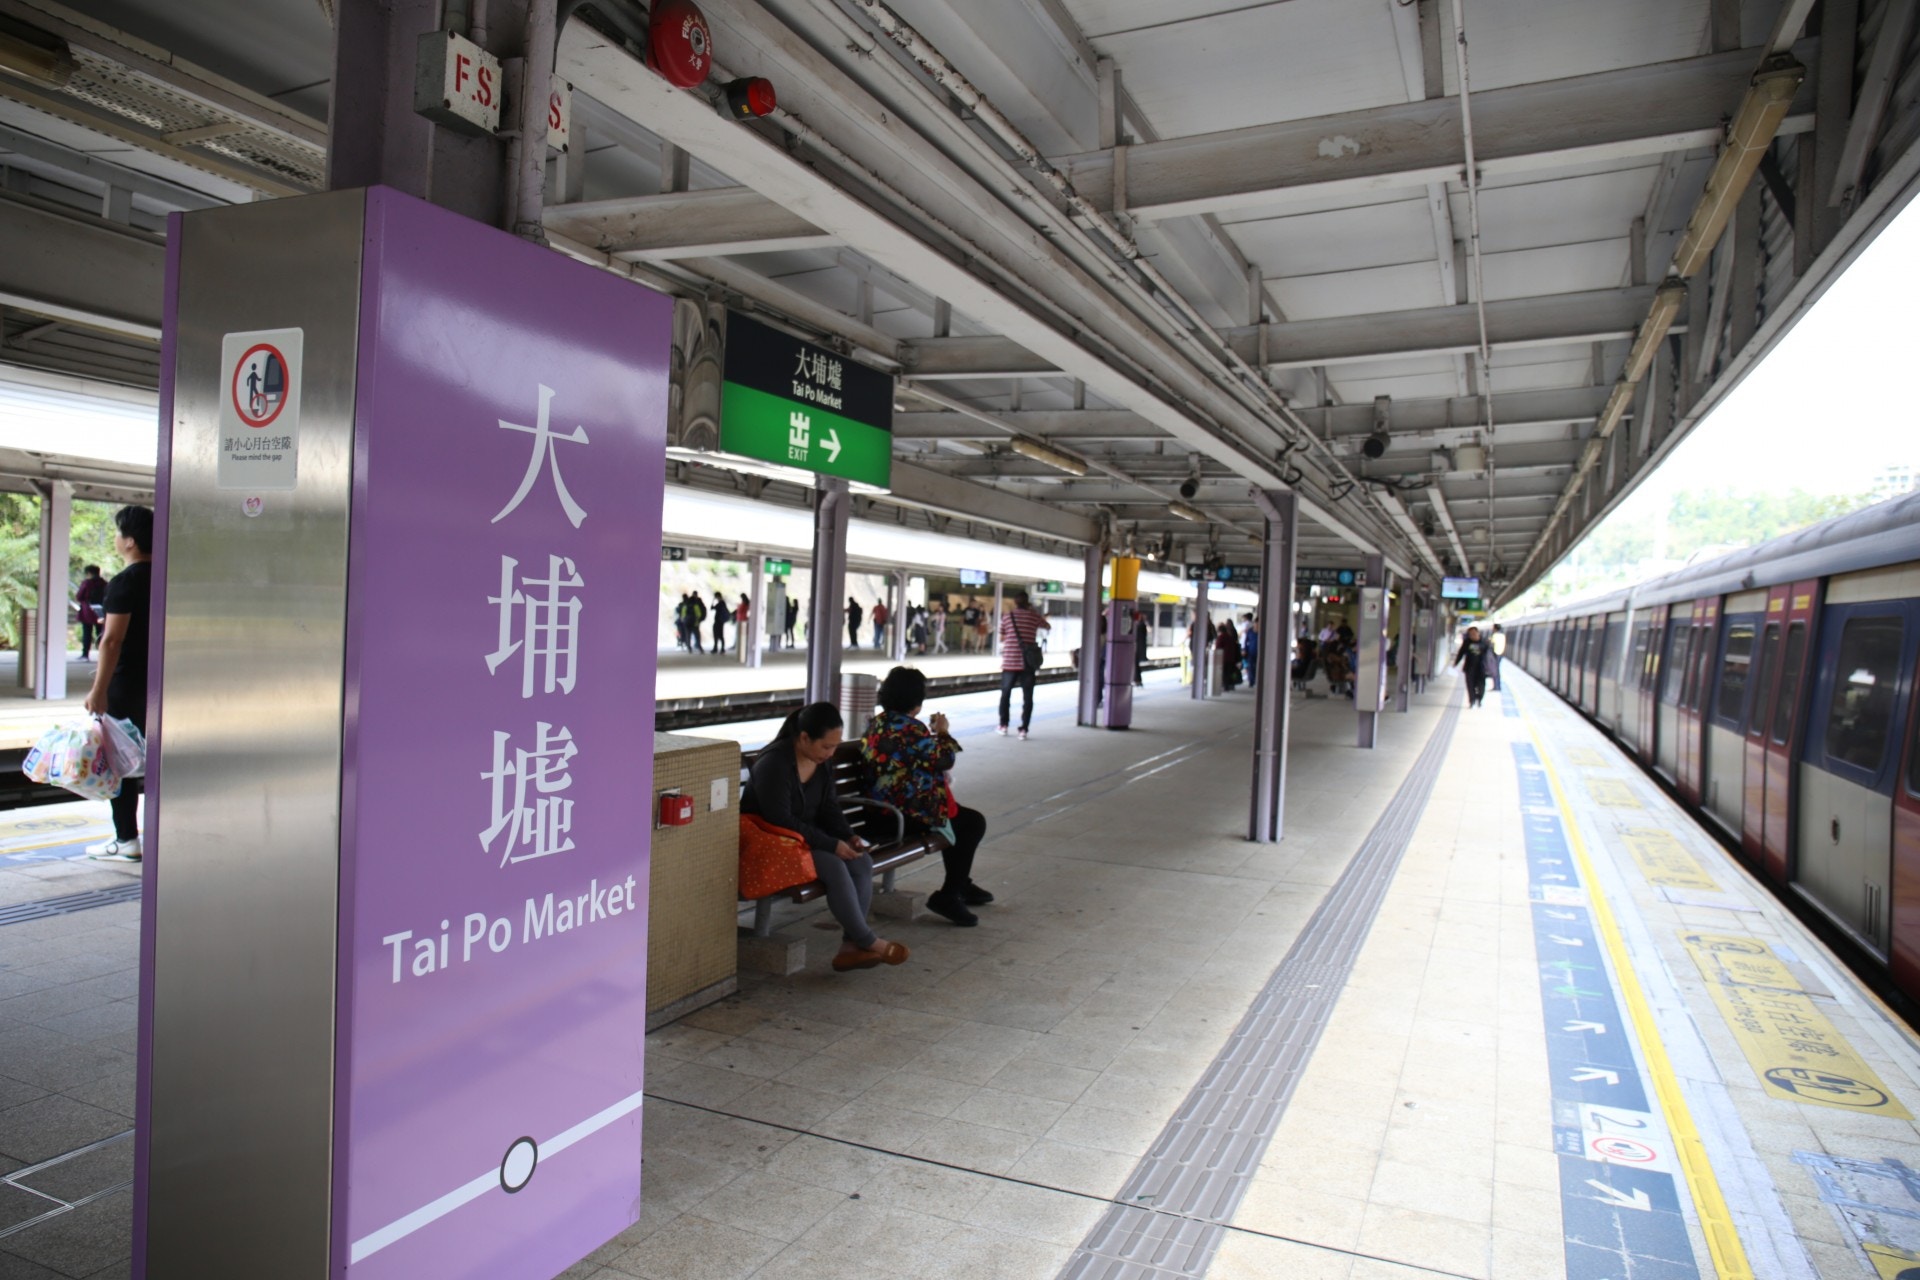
(1469, 457)
(1053, 457)
(1186, 512)
(755, 467)
(1769, 97)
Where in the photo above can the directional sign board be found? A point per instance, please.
(1306, 577)
(673, 553)
(779, 568)
(791, 402)
(1243, 574)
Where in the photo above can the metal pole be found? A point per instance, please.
(750, 644)
(897, 624)
(999, 603)
(1273, 663)
(1197, 643)
(825, 623)
(50, 633)
(1093, 570)
(1403, 674)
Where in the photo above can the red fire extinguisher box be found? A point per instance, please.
(676, 810)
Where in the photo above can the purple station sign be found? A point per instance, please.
(509, 434)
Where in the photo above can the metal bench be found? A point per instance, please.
(880, 824)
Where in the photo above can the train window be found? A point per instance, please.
(1790, 664)
(1679, 644)
(1733, 673)
(1769, 644)
(1861, 712)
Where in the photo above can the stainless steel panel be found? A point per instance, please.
(1845, 861)
(249, 803)
(1725, 786)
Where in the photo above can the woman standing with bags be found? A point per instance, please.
(907, 763)
(1020, 658)
(791, 786)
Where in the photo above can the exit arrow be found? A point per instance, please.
(832, 444)
(1565, 942)
(1615, 1198)
(1584, 1074)
(1598, 1028)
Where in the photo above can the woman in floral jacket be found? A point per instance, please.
(907, 766)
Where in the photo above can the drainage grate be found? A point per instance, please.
(1169, 1218)
(21, 912)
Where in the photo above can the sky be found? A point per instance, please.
(1823, 411)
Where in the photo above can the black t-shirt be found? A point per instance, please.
(131, 593)
(970, 616)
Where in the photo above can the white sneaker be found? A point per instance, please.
(115, 851)
(1003, 731)
(1023, 735)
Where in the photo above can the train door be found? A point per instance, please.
(1766, 672)
(1850, 758)
(1632, 675)
(1590, 665)
(1676, 650)
(1906, 854)
(1690, 776)
(1725, 714)
(1649, 684)
(1785, 719)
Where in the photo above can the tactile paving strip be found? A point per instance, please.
(21, 912)
(1171, 1215)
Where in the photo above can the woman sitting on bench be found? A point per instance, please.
(791, 786)
(907, 764)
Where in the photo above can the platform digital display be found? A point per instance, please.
(1460, 588)
(788, 401)
(973, 577)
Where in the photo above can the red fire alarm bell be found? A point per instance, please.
(679, 46)
(676, 810)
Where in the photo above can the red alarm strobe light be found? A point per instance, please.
(750, 97)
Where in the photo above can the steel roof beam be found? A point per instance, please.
(686, 224)
(1627, 114)
(920, 487)
(1598, 315)
(1058, 424)
(84, 270)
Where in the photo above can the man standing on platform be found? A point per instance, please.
(120, 681)
(1497, 642)
(880, 616)
(854, 614)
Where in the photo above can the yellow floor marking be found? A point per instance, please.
(1796, 1051)
(1716, 1220)
(1665, 861)
(1586, 758)
(1890, 1263)
(1613, 793)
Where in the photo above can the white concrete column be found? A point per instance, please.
(1272, 687)
(1197, 643)
(826, 624)
(999, 602)
(897, 623)
(49, 640)
(1093, 571)
(751, 644)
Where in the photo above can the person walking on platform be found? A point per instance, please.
(1472, 659)
(680, 623)
(120, 681)
(937, 626)
(971, 619)
(908, 763)
(720, 615)
(879, 617)
(854, 615)
(696, 618)
(1140, 634)
(89, 596)
(1497, 647)
(1226, 641)
(791, 786)
(1020, 658)
(793, 619)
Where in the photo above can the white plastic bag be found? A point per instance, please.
(126, 746)
(75, 757)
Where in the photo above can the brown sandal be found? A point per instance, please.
(892, 953)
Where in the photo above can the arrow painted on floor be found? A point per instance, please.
(1598, 1028)
(1565, 942)
(1585, 1074)
(832, 444)
(1615, 1198)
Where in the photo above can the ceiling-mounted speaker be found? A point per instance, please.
(679, 44)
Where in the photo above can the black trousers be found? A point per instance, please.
(1008, 679)
(126, 805)
(969, 829)
(1476, 686)
(89, 634)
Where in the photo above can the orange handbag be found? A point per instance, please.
(772, 859)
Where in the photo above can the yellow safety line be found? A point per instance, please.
(1716, 1221)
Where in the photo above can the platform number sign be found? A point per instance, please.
(791, 402)
(259, 410)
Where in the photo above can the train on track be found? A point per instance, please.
(1774, 689)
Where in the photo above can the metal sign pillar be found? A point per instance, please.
(1094, 570)
(897, 622)
(832, 504)
(999, 605)
(1272, 686)
(1403, 669)
(1370, 666)
(1197, 642)
(751, 644)
(49, 639)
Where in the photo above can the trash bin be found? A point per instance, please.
(29, 650)
(859, 694)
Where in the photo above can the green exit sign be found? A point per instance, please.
(779, 568)
(788, 401)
